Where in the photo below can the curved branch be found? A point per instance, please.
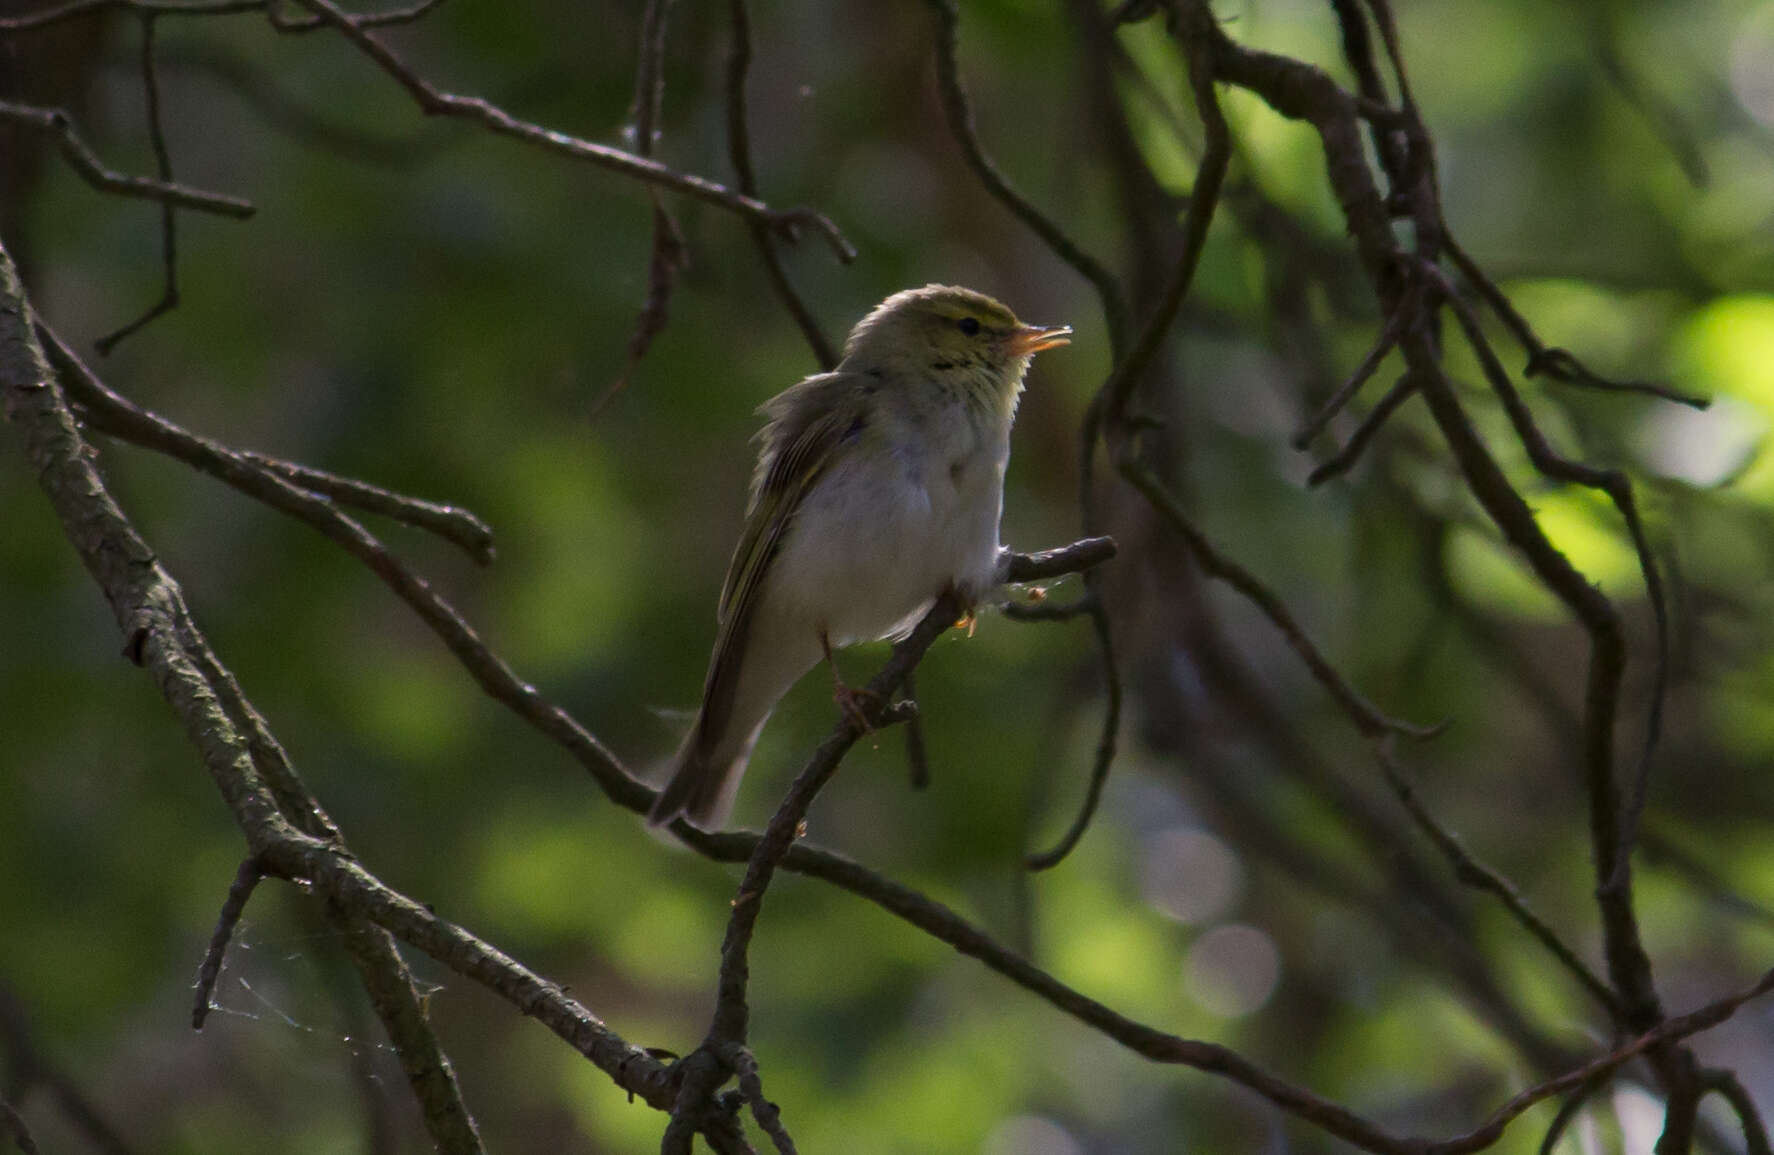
(739, 154)
(432, 101)
(150, 609)
(959, 114)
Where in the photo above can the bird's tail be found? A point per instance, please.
(703, 784)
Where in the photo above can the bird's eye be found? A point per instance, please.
(969, 326)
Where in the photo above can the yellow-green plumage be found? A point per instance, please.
(878, 485)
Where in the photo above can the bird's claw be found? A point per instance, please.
(850, 701)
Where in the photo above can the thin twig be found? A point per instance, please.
(1334, 405)
(729, 1025)
(745, 1068)
(454, 524)
(434, 102)
(916, 756)
(401, 1009)
(1367, 718)
(1615, 484)
(1105, 745)
(1569, 1109)
(1110, 402)
(1727, 1086)
(1558, 364)
(169, 248)
(1628, 965)
(731, 1016)
(1346, 457)
(1470, 871)
(490, 672)
(959, 114)
(670, 253)
(86, 162)
(119, 418)
(739, 56)
(246, 880)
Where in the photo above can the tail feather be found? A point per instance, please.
(702, 788)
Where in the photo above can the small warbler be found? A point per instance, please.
(878, 486)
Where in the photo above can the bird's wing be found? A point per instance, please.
(809, 422)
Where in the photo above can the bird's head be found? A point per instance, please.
(953, 336)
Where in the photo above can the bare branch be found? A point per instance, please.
(1079, 557)
(959, 114)
(670, 255)
(241, 473)
(1367, 718)
(1558, 364)
(1105, 745)
(1730, 1088)
(739, 56)
(1387, 340)
(745, 1067)
(452, 523)
(1346, 457)
(86, 162)
(917, 758)
(1110, 402)
(434, 102)
(118, 417)
(147, 602)
(169, 250)
(401, 1009)
(246, 880)
(1619, 490)
(1470, 871)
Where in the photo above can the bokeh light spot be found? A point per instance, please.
(1190, 875)
(1232, 970)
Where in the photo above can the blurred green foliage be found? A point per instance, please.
(436, 310)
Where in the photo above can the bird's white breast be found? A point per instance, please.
(881, 534)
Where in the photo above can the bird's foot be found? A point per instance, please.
(851, 701)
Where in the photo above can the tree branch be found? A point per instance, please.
(739, 55)
(169, 248)
(432, 101)
(246, 880)
(86, 162)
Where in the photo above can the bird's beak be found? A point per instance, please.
(1031, 339)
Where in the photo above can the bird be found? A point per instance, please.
(879, 486)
